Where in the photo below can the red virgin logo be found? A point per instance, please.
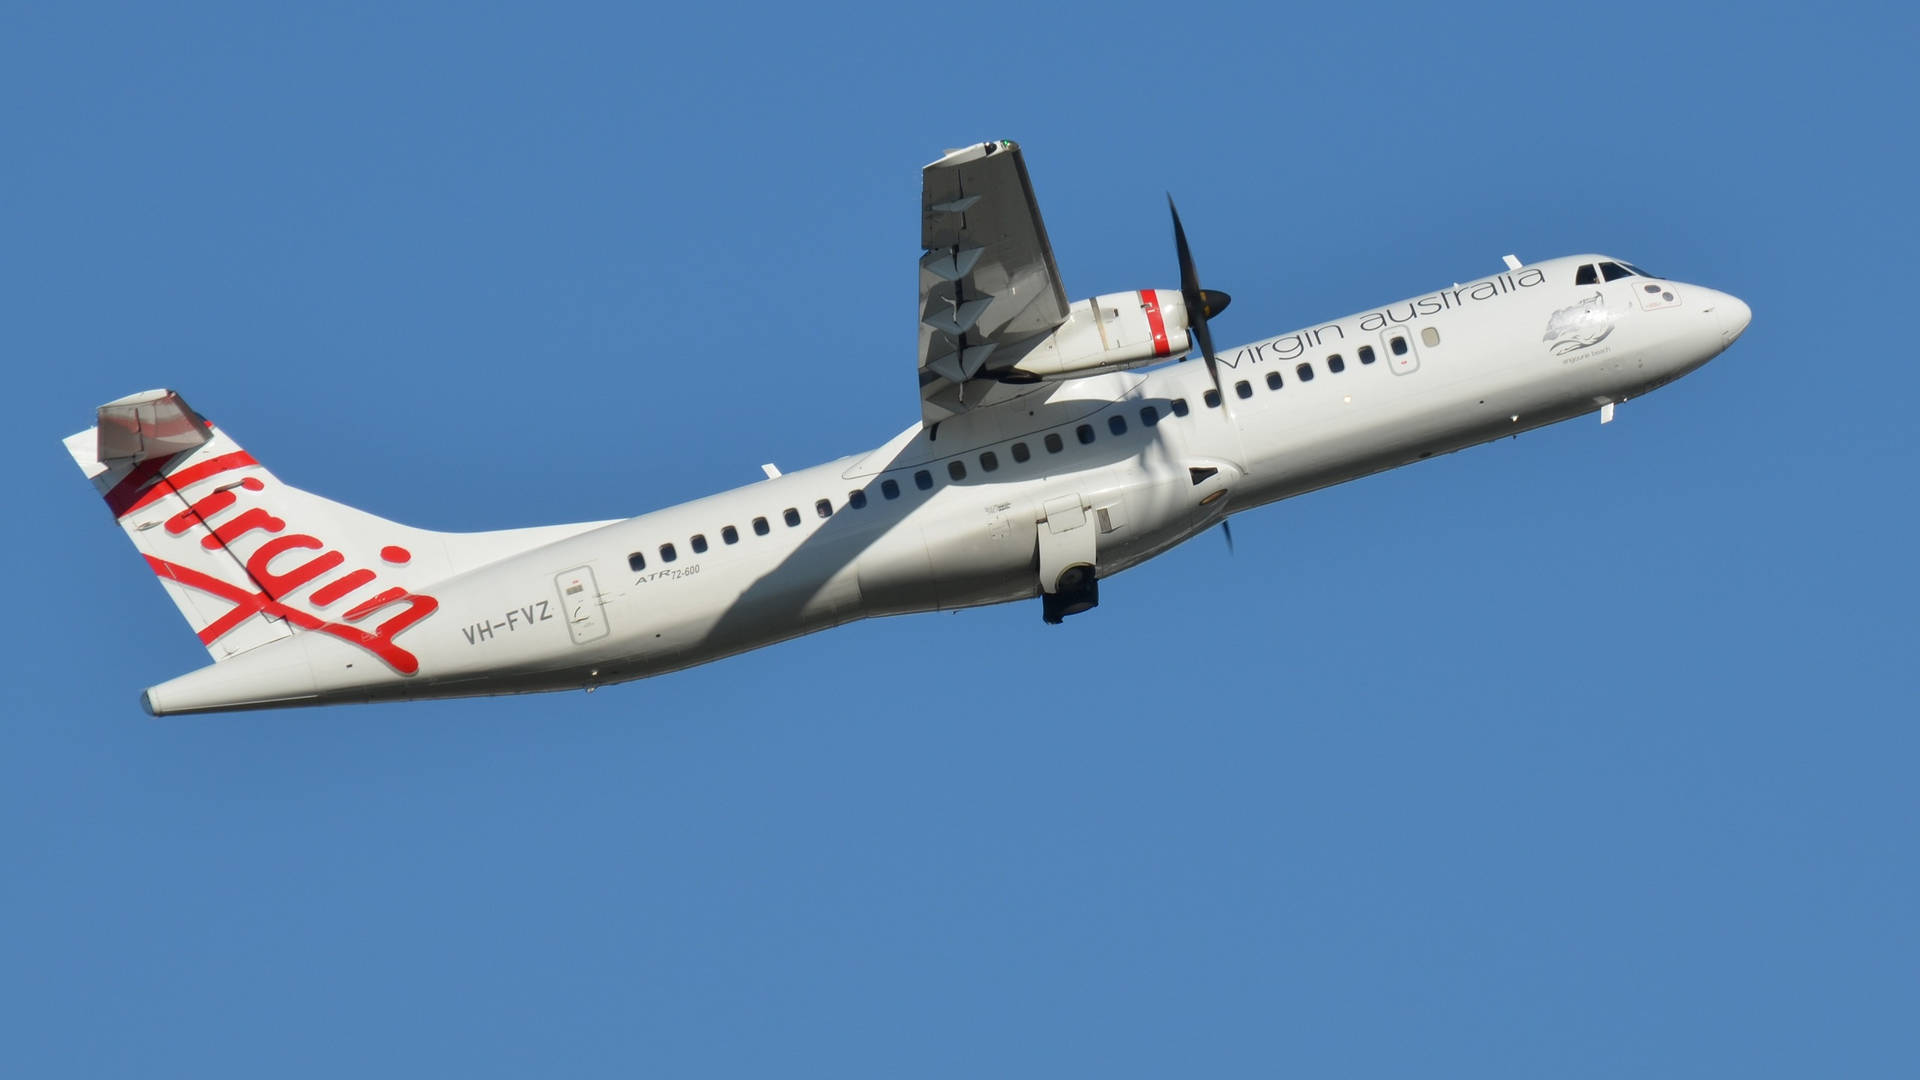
(274, 584)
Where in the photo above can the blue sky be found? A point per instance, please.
(1585, 754)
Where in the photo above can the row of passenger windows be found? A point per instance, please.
(1054, 443)
(1336, 363)
(856, 500)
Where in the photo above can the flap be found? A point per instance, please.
(988, 282)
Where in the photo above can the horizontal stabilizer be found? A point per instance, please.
(152, 424)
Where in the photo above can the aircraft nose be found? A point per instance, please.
(1734, 316)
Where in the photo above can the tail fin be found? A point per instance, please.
(249, 560)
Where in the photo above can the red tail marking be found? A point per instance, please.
(327, 594)
(280, 585)
(124, 494)
(248, 604)
(245, 522)
(418, 607)
(134, 492)
(205, 507)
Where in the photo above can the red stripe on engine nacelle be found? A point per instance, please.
(1150, 302)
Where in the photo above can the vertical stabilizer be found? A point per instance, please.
(250, 560)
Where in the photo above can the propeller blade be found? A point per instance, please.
(1201, 303)
(1190, 290)
(1226, 530)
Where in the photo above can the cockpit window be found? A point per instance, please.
(1639, 271)
(1613, 271)
(1587, 276)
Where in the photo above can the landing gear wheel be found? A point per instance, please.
(1078, 591)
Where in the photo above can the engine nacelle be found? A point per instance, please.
(1107, 333)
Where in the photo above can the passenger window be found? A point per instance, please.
(1054, 445)
(1084, 433)
(1273, 380)
(1613, 271)
(1336, 364)
(1586, 276)
(1304, 372)
(1150, 416)
(760, 527)
(1212, 398)
(791, 517)
(729, 535)
(1180, 407)
(890, 489)
(699, 543)
(823, 508)
(923, 480)
(1243, 388)
(1020, 452)
(1365, 352)
(1429, 336)
(957, 469)
(989, 461)
(1398, 344)
(1117, 424)
(856, 500)
(667, 554)
(636, 562)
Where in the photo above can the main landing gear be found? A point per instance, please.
(1078, 590)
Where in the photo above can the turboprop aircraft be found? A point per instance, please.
(1059, 443)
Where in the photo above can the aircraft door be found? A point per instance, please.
(580, 605)
(1397, 343)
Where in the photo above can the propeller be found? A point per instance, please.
(1226, 530)
(1202, 304)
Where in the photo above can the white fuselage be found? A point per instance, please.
(931, 521)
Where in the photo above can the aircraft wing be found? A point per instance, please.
(988, 282)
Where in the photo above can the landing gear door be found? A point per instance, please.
(580, 605)
(1067, 539)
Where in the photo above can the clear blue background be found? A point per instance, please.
(1587, 754)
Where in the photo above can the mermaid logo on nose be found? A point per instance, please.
(1581, 326)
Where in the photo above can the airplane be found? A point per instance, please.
(1059, 444)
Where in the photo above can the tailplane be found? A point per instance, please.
(249, 560)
